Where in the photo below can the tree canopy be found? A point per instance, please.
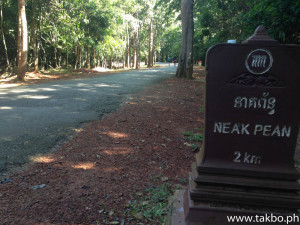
(216, 21)
(90, 33)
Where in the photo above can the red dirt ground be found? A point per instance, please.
(90, 179)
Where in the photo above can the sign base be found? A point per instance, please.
(241, 190)
(197, 212)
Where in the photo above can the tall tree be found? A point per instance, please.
(127, 47)
(135, 58)
(34, 42)
(185, 63)
(22, 42)
(150, 48)
(3, 36)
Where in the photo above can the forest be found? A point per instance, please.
(42, 34)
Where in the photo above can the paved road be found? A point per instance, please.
(35, 118)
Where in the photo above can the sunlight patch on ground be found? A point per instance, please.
(42, 159)
(116, 135)
(18, 91)
(8, 85)
(34, 96)
(7, 79)
(84, 166)
(6, 108)
(117, 151)
(47, 89)
(77, 130)
(86, 90)
(38, 76)
(101, 69)
(107, 85)
(131, 103)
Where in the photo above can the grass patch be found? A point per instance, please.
(195, 147)
(154, 205)
(191, 136)
(183, 181)
(194, 139)
(188, 133)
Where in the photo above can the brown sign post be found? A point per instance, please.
(251, 127)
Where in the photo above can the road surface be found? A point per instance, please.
(36, 118)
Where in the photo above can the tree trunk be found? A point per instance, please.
(154, 47)
(39, 34)
(134, 58)
(77, 52)
(22, 40)
(110, 63)
(58, 58)
(80, 56)
(159, 53)
(138, 50)
(55, 57)
(34, 42)
(88, 58)
(150, 47)
(104, 63)
(95, 62)
(67, 59)
(123, 61)
(135, 47)
(128, 48)
(44, 57)
(98, 59)
(3, 37)
(185, 63)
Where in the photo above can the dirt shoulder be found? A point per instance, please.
(111, 163)
(40, 77)
(58, 74)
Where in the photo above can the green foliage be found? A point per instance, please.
(217, 21)
(194, 139)
(195, 147)
(183, 181)
(171, 41)
(153, 206)
(281, 18)
(64, 26)
(192, 136)
(188, 133)
(10, 23)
